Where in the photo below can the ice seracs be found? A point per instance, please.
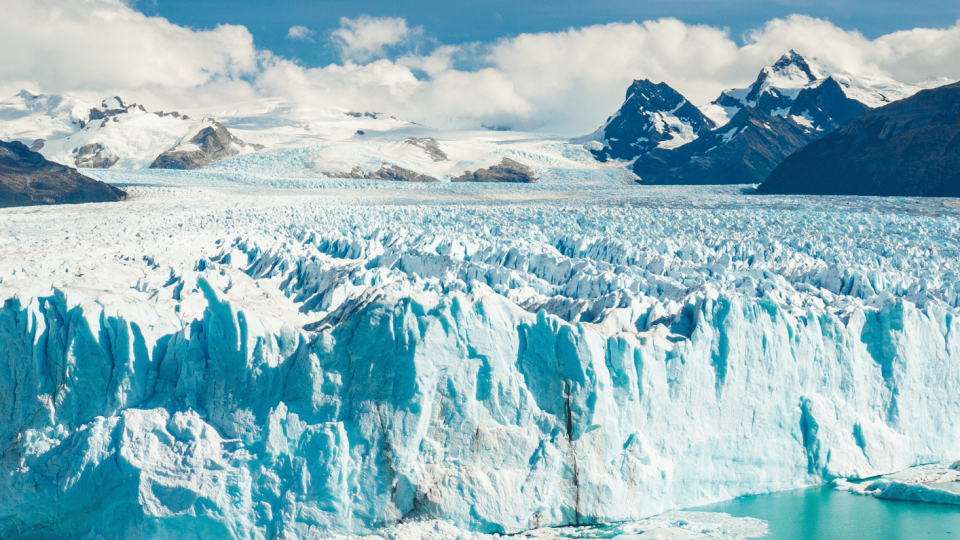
(238, 362)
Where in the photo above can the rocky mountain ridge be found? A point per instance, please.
(908, 148)
(793, 102)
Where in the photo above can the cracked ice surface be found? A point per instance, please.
(244, 361)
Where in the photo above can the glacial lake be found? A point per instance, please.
(826, 514)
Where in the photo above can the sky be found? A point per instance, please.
(558, 67)
(454, 22)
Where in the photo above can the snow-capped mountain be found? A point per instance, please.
(652, 116)
(26, 117)
(71, 132)
(747, 131)
(773, 92)
(780, 86)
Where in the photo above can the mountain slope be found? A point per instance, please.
(911, 147)
(742, 152)
(27, 179)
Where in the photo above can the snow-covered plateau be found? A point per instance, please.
(231, 354)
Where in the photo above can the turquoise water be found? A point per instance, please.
(827, 514)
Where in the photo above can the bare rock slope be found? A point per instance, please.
(211, 144)
(507, 171)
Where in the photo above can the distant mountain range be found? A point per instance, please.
(265, 137)
(741, 136)
(333, 143)
(910, 147)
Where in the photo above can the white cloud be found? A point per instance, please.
(100, 46)
(367, 37)
(300, 33)
(564, 82)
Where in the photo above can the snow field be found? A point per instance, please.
(242, 361)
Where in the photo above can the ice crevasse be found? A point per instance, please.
(501, 369)
(464, 407)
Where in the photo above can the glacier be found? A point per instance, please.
(247, 358)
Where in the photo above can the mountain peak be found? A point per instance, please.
(793, 62)
(113, 103)
(652, 115)
(26, 94)
(649, 90)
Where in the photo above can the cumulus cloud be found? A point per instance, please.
(368, 37)
(103, 45)
(300, 33)
(562, 82)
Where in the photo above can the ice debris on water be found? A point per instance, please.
(935, 483)
(675, 525)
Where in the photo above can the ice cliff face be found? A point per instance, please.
(501, 368)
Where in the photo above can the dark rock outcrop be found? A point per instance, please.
(109, 110)
(212, 144)
(909, 148)
(28, 179)
(507, 171)
(428, 145)
(94, 156)
(385, 172)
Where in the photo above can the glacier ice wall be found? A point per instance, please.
(501, 369)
